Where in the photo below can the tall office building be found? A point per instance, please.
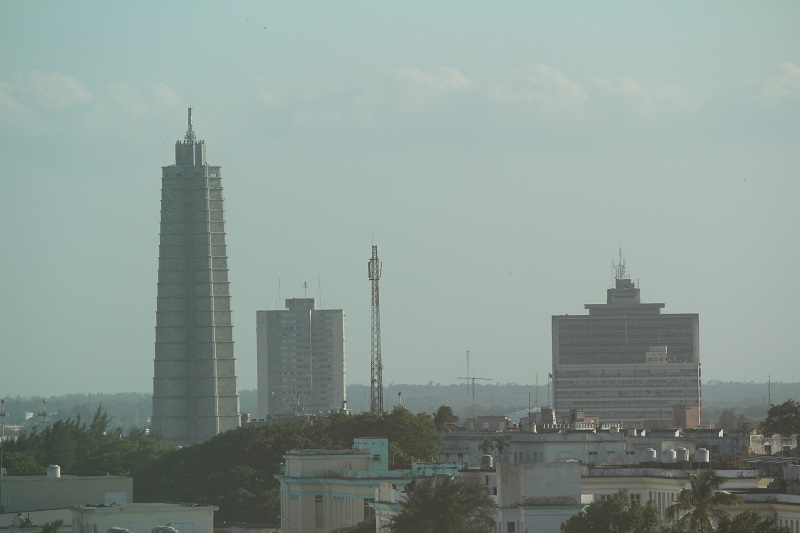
(626, 361)
(301, 359)
(194, 380)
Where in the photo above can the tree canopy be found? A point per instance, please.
(444, 418)
(618, 514)
(783, 419)
(367, 526)
(445, 505)
(751, 522)
(80, 447)
(236, 470)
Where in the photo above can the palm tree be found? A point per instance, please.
(501, 444)
(486, 444)
(444, 418)
(445, 505)
(700, 505)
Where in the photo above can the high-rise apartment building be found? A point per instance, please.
(301, 359)
(626, 361)
(194, 380)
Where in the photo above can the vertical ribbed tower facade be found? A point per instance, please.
(194, 380)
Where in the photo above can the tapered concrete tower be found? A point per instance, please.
(194, 381)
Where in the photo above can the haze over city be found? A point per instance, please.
(498, 155)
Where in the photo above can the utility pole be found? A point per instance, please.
(374, 267)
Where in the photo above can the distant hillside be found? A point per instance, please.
(133, 409)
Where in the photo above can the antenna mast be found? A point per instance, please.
(376, 366)
(619, 268)
(190, 138)
(471, 381)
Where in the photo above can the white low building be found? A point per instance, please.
(54, 491)
(143, 518)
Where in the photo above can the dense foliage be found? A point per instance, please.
(783, 419)
(444, 419)
(367, 526)
(751, 522)
(81, 448)
(235, 470)
(617, 514)
(445, 505)
(731, 420)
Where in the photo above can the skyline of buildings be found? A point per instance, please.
(300, 359)
(626, 361)
(194, 379)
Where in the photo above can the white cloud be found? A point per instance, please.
(266, 92)
(56, 90)
(413, 88)
(163, 94)
(407, 90)
(137, 102)
(122, 103)
(538, 89)
(649, 102)
(783, 86)
(51, 101)
(8, 103)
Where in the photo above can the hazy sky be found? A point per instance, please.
(498, 154)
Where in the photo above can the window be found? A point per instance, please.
(319, 511)
(369, 511)
(511, 527)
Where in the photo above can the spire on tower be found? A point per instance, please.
(190, 138)
(619, 268)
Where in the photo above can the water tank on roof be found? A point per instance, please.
(649, 455)
(668, 456)
(54, 471)
(682, 455)
(701, 455)
(487, 461)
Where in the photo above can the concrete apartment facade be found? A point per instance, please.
(662, 486)
(626, 361)
(194, 380)
(537, 497)
(301, 359)
(587, 446)
(322, 490)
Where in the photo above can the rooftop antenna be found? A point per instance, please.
(305, 289)
(619, 268)
(374, 267)
(471, 381)
(468, 373)
(190, 138)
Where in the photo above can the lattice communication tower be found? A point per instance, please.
(376, 366)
